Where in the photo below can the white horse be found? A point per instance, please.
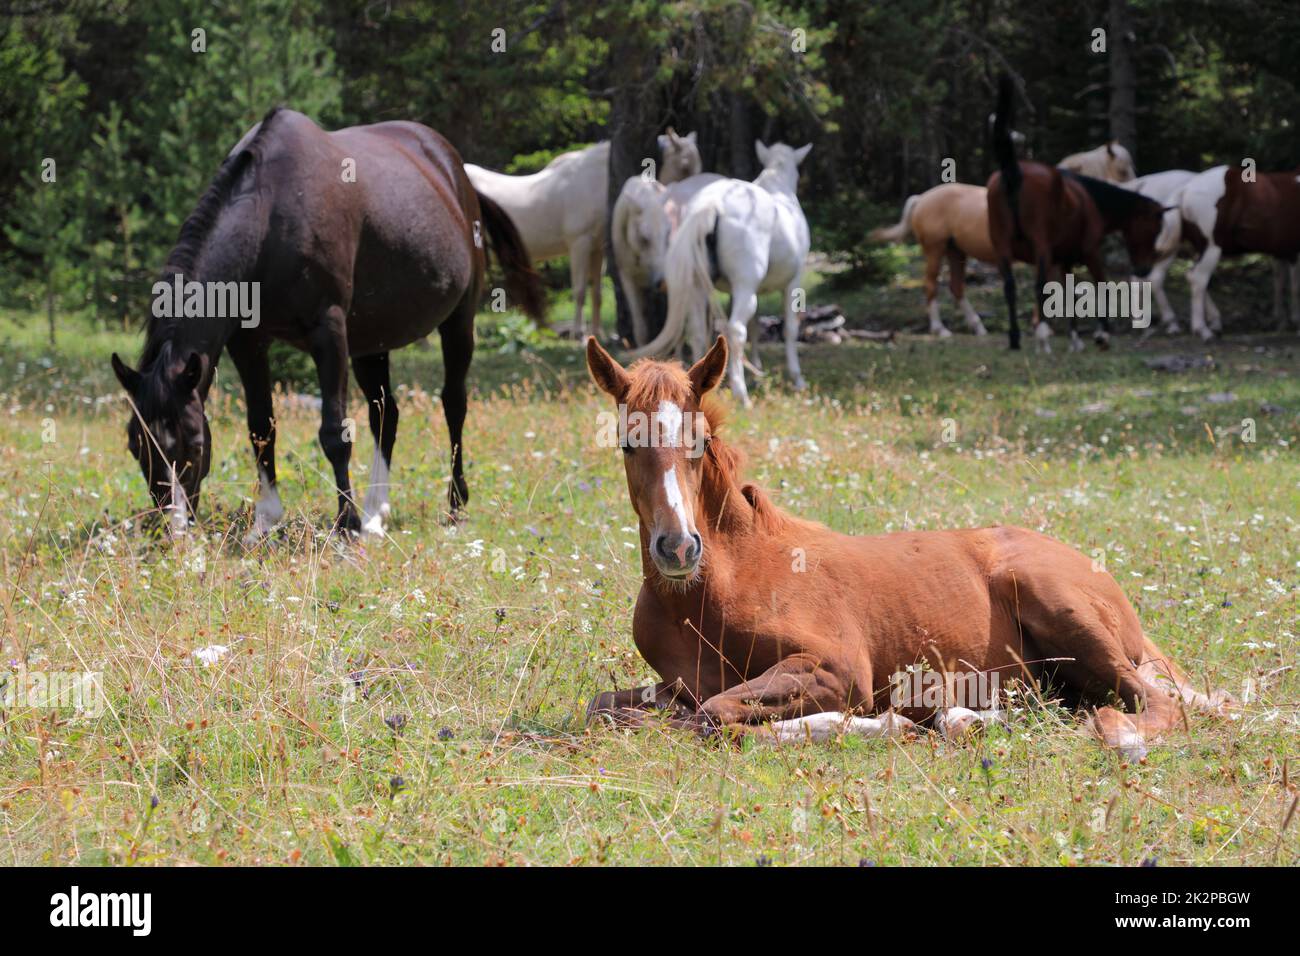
(560, 211)
(1109, 161)
(761, 242)
(646, 216)
(680, 157)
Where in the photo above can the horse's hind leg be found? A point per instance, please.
(1097, 270)
(792, 336)
(1079, 618)
(1009, 291)
(371, 372)
(957, 284)
(250, 358)
(457, 335)
(744, 303)
(328, 343)
(934, 263)
(579, 263)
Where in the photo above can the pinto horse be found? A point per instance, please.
(347, 267)
(1225, 214)
(949, 221)
(750, 615)
(1053, 219)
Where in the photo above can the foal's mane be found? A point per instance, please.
(198, 224)
(1111, 199)
(722, 488)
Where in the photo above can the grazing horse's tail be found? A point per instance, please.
(523, 284)
(1005, 149)
(900, 231)
(690, 283)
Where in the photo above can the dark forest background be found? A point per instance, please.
(137, 122)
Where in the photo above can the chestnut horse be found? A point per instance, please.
(750, 615)
(1053, 219)
(348, 267)
(949, 221)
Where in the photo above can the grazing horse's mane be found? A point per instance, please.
(184, 255)
(1111, 200)
(655, 382)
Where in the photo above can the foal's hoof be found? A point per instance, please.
(376, 525)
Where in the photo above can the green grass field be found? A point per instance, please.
(420, 699)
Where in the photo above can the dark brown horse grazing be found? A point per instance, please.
(750, 615)
(1053, 219)
(361, 241)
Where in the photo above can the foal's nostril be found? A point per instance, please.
(678, 550)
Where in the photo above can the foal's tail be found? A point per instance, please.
(1005, 149)
(523, 284)
(900, 231)
(690, 283)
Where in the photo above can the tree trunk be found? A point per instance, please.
(633, 126)
(1123, 76)
(741, 131)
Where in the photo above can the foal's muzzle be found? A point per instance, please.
(677, 555)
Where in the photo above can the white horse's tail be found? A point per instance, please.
(690, 286)
(900, 231)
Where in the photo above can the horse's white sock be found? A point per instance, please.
(375, 510)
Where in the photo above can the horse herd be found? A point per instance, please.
(353, 267)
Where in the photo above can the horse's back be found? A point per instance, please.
(381, 215)
(1262, 215)
(956, 211)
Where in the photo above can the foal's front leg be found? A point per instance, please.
(802, 699)
(631, 707)
(329, 350)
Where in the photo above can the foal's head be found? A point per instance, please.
(665, 438)
(169, 436)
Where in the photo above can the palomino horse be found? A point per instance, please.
(949, 221)
(646, 216)
(1054, 219)
(1225, 214)
(1109, 161)
(746, 238)
(346, 269)
(750, 615)
(560, 211)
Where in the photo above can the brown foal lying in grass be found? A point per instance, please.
(760, 622)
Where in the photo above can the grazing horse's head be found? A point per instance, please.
(665, 437)
(681, 157)
(1146, 233)
(168, 432)
(640, 231)
(1119, 163)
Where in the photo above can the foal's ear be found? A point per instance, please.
(707, 372)
(761, 150)
(608, 374)
(801, 153)
(128, 376)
